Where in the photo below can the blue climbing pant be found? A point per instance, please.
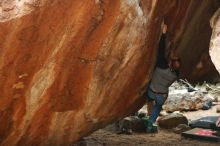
(159, 101)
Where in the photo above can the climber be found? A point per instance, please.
(165, 73)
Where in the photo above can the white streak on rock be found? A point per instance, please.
(11, 9)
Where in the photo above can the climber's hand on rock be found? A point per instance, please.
(164, 30)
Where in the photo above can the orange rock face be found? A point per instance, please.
(69, 67)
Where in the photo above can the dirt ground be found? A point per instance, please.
(105, 137)
(163, 138)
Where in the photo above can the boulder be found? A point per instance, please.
(215, 39)
(192, 41)
(187, 101)
(189, 37)
(130, 124)
(70, 67)
(172, 121)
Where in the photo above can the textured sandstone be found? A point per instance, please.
(172, 120)
(69, 67)
(215, 40)
(186, 101)
(190, 36)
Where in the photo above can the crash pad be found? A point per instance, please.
(202, 134)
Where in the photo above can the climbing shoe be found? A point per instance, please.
(151, 128)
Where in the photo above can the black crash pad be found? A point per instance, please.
(202, 134)
(205, 122)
